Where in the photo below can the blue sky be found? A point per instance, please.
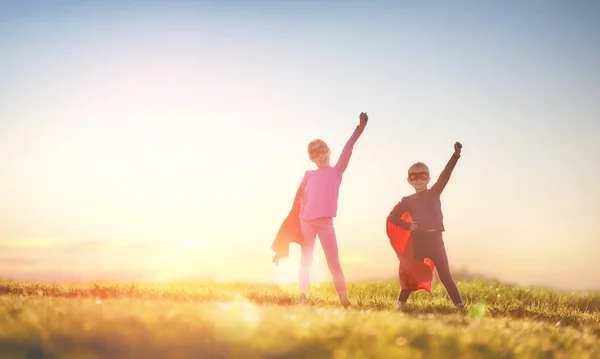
(157, 123)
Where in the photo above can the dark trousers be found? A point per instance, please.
(431, 245)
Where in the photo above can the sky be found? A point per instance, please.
(166, 140)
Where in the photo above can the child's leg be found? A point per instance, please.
(403, 298)
(404, 293)
(328, 240)
(440, 259)
(306, 258)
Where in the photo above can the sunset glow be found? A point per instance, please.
(164, 142)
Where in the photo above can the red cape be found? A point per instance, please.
(414, 274)
(289, 232)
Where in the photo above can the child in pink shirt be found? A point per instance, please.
(318, 208)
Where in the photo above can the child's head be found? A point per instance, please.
(418, 176)
(319, 153)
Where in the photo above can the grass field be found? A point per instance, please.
(210, 320)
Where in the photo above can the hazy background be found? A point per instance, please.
(149, 140)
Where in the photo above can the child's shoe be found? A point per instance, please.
(400, 306)
(303, 300)
(344, 299)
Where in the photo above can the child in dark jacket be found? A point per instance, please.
(427, 223)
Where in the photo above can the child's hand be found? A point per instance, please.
(363, 120)
(413, 226)
(302, 201)
(457, 148)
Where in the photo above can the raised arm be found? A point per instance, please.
(301, 194)
(396, 214)
(442, 181)
(344, 159)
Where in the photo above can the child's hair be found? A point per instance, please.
(316, 146)
(318, 142)
(418, 164)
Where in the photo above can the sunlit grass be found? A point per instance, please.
(241, 320)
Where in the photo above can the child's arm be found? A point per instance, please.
(301, 195)
(344, 159)
(442, 181)
(395, 215)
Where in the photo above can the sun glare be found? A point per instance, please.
(31, 242)
(286, 272)
(239, 314)
(190, 243)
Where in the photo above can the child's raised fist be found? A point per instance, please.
(364, 118)
(457, 148)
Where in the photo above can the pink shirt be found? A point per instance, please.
(322, 186)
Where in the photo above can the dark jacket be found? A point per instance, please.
(289, 232)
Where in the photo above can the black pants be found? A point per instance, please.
(431, 245)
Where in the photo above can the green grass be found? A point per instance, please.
(240, 320)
